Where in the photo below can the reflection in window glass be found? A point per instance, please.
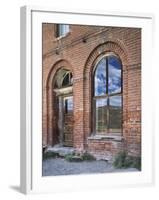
(68, 104)
(108, 108)
(100, 78)
(115, 113)
(62, 29)
(114, 74)
(101, 115)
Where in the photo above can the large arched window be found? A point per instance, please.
(107, 96)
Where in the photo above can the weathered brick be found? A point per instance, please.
(78, 55)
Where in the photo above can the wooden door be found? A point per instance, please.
(68, 121)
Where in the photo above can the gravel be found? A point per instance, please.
(60, 166)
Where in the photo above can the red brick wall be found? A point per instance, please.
(77, 52)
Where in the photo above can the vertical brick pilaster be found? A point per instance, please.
(78, 133)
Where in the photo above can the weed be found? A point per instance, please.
(49, 154)
(87, 156)
(78, 157)
(123, 160)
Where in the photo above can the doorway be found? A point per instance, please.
(63, 93)
(68, 121)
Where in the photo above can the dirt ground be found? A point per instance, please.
(59, 166)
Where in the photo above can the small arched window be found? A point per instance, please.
(107, 97)
(63, 78)
(67, 80)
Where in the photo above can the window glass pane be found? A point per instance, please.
(114, 74)
(68, 104)
(67, 80)
(100, 78)
(63, 29)
(66, 28)
(101, 116)
(115, 114)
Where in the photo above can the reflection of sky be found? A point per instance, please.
(70, 104)
(114, 70)
(63, 29)
(115, 101)
(100, 78)
(114, 80)
(101, 102)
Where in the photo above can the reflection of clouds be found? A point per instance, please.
(100, 78)
(100, 86)
(114, 78)
(101, 102)
(115, 101)
(113, 60)
(69, 103)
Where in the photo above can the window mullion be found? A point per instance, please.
(106, 75)
(107, 115)
(94, 117)
(69, 79)
(107, 119)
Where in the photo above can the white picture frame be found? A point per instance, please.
(31, 106)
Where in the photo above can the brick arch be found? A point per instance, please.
(58, 65)
(50, 99)
(116, 47)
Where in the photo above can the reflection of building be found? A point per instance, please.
(92, 88)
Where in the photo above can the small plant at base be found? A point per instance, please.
(49, 154)
(120, 160)
(87, 156)
(69, 157)
(123, 160)
(78, 157)
(137, 163)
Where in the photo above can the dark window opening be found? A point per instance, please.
(67, 80)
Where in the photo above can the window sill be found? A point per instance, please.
(106, 137)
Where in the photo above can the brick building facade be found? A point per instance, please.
(72, 114)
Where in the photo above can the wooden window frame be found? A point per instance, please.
(107, 95)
